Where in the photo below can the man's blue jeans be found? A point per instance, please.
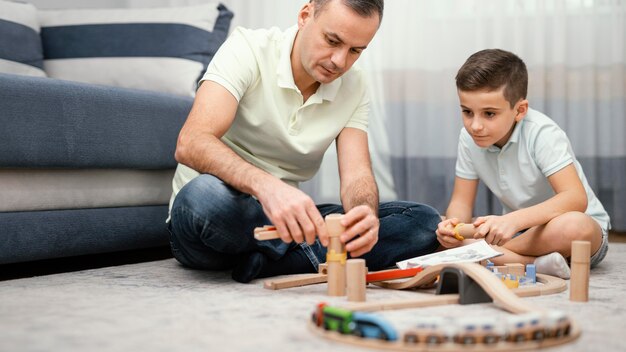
(212, 227)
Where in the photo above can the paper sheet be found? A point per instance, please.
(474, 252)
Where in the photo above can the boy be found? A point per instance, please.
(526, 160)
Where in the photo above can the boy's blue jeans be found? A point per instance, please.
(212, 227)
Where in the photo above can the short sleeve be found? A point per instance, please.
(234, 66)
(360, 117)
(551, 149)
(464, 165)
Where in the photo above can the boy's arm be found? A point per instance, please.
(459, 210)
(570, 196)
(462, 201)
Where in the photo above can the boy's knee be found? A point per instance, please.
(579, 226)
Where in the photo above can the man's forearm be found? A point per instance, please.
(361, 191)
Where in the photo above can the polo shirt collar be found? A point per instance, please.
(285, 74)
(517, 130)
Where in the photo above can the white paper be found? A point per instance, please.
(474, 252)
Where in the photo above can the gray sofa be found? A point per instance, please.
(84, 168)
(91, 104)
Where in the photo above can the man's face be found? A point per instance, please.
(488, 116)
(332, 41)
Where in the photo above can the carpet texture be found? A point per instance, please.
(160, 306)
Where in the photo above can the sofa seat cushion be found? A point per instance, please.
(50, 123)
(35, 235)
(160, 49)
(20, 43)
(53, 189)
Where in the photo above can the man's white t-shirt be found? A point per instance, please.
(273, 129)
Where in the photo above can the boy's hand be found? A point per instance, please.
(494, 229)
(445, 233)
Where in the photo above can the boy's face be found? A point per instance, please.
(488, 116)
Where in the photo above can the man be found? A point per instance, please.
(268, 107)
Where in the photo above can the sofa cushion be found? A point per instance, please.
(20, 43)
(161, 49)
(50, 123)
(54, 189)
(35, 235)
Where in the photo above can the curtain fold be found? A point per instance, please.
(575, 51)
(576, 56)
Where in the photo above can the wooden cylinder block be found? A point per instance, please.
(355, 273)
(579, 279)
(335, 256)
(466, 230)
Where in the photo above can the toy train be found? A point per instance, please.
(489, 330)
(353, 323)
(439, 330)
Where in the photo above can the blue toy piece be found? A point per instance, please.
(372, 326)
(531, 272)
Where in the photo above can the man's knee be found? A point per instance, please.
(202, 195)
(417, 215)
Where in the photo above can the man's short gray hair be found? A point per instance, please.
(365, 8)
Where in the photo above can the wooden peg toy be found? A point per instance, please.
(355, 276)
(266, 232)
(463, 231)
(336, 256)
(579, 278)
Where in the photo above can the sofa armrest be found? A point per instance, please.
(53, 123)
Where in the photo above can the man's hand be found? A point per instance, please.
(293, 213)
(496, 230)
(445, 233)
(361, 233)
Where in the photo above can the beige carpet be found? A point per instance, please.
(160, 306)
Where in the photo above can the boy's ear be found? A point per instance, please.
(522, 109)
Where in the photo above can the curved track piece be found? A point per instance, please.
(502, 296)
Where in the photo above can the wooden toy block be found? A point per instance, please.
(579, 279)
(516, 269)
(300, 280)
(336, 256)
(531, 273)
(322, 268)
(392, 274)
(265, 228)
(355, 275)
(265, 235)
(502, 269)
(510, 282)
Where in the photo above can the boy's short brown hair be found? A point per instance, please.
(492, 69)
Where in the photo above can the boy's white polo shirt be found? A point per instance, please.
(273, 129)
(518, 173)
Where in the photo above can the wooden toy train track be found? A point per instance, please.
(529, 328)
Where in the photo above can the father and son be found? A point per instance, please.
(272, 102)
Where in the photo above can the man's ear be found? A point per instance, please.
(521, 110)
(306, 12)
